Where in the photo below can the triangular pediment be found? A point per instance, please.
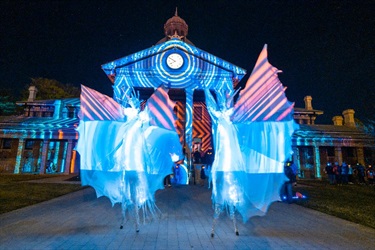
(150, 68)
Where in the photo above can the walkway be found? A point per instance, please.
(81, 221)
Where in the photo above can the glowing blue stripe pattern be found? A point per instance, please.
(189, 119)
(148, 68)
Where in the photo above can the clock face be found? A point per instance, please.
(175, 61)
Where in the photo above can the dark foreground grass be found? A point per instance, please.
(15, 193)
(354, 202)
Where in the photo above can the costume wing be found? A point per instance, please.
(262, 123)
(119, 146)
(101, 120)
(160, 109)
(163, 143)
(263, 117)
(263, 98)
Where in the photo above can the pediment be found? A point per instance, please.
(149, 68)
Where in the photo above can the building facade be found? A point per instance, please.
(43, 139)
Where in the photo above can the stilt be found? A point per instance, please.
(123, 216)
(232, 215)
(136, 218)
(217, 212)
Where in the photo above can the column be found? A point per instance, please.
(68, 157)
(189, 119)
(317, 162)
(44, 157)
(338, 155)
(189, 133)
(296, 159)
(361, 156)
(21, 146)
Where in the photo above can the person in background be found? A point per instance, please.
(360, 173)
(287, 188)
(331, 175)
(197, 158)
(344, 173)
(203, 175)
(208, 159)
(337, 172)
(177, 174)
(370, 175)
(350, 174)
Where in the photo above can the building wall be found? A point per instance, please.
(8, 154)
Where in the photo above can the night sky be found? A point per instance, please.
(325, 49)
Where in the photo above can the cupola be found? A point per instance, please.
(175, 28)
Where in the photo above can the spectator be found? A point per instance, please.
(197, 158)
(337, 172)
(331, 175)
(350, 174)
(287, 188)
(370, 175)
(360, 173)
(208, 159)
(177, 173)
(344, 173)
(203, 175)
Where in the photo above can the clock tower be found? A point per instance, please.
(177, 64)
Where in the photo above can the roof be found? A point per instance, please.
(38, 127)
(147, 68)
(332, 135)
(41, 127)
(298, 111)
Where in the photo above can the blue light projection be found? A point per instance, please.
(149, 69)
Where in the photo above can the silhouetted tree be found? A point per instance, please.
(7, 102)
(50, 89)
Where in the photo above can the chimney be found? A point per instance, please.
(58, 109)
(349, 117)
(337, 120)
(32, 93)
(307, 100)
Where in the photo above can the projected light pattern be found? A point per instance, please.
(189, 118)
(202, 126)
(36, 131)
(148, 69)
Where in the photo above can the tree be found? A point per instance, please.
(7, 102)
(50, 89)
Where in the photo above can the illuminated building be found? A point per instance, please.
(44, 138)
(314, 144)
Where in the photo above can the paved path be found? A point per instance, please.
(81, 221)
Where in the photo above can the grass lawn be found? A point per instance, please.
(15, 193)
(355, 203)
(350, 202)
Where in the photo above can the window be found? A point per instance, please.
(29, 144)
(7, 143)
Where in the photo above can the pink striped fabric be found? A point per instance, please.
(263, 98)
(98, 107)
(161, 109)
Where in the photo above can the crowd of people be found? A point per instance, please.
(347, 174)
